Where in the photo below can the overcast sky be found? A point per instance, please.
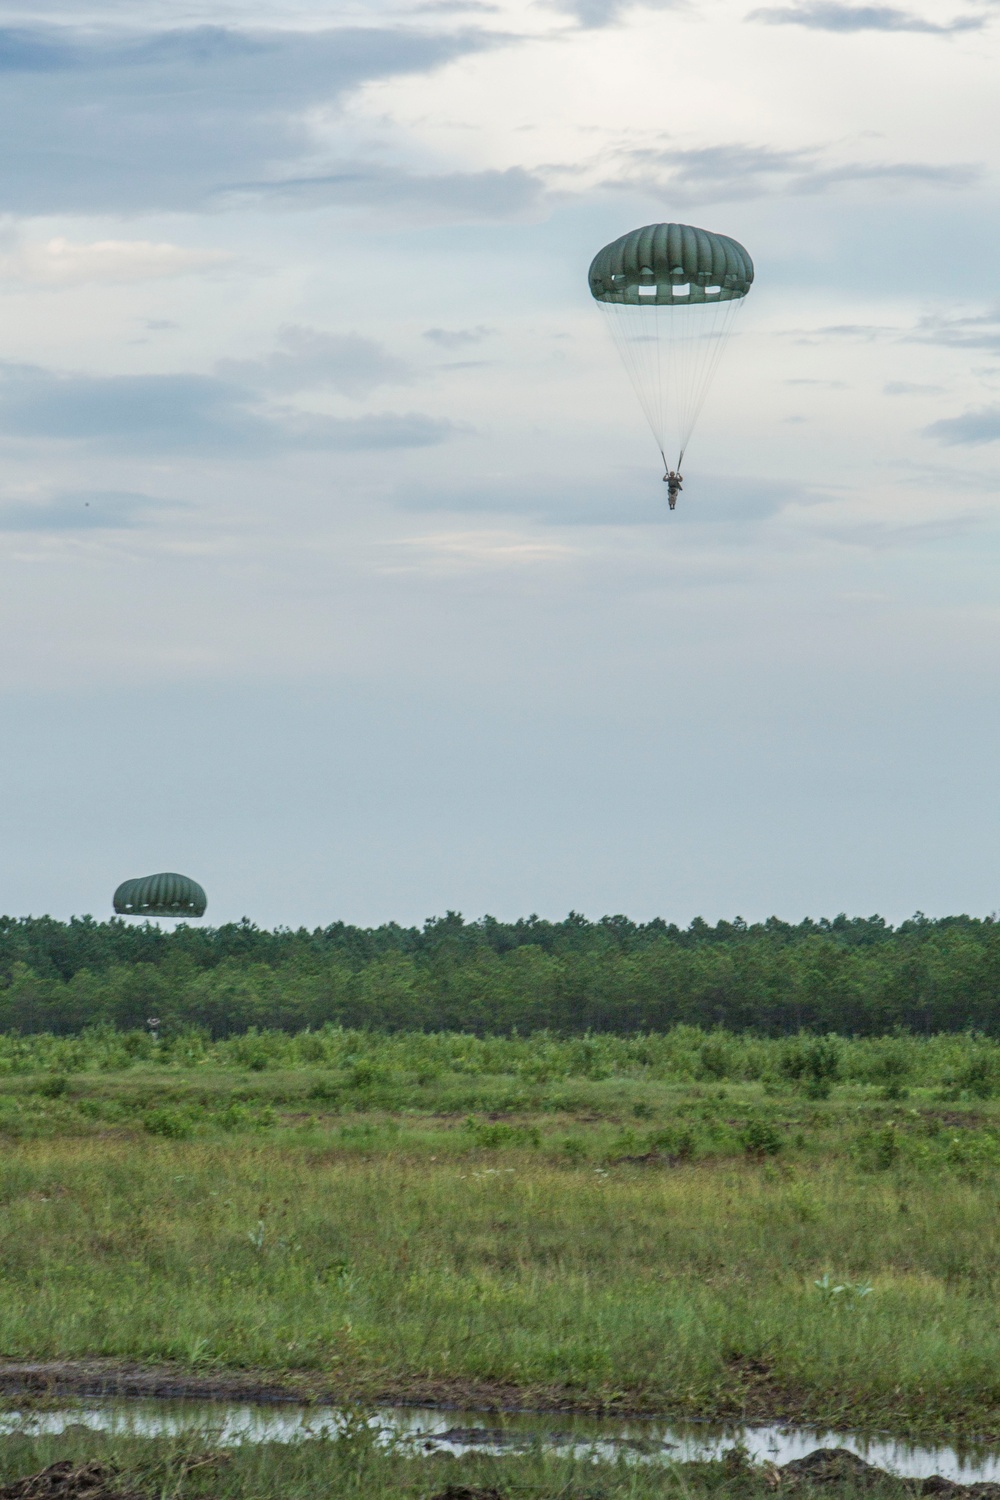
(335, 567)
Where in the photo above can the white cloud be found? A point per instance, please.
(457, 338)
(64, 262)
(307, 358)
(829, 15)
(464, 551)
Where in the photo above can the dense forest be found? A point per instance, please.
(855, 976)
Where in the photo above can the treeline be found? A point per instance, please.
(55, 949)
(854, 976)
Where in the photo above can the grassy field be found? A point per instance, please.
(693, 1225)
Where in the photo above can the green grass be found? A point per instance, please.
(388, 1222)
(352, 1464)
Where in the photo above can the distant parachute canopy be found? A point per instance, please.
(670, 293)
(165, 895)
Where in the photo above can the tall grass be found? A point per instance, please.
(693, 1222)
(670, 1290)
(963, 1062)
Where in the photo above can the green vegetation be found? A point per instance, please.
(446, 1072)
(851, 976)
(353, 1464)
(696, 1223)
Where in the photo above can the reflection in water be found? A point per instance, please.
(428, 1429)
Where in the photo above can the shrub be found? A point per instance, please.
(715, 1058)
(760, 1138)
(978, 1077)
(325, 1090)
(678, 1141)
(170, 1123)
(54, 1087)
(822, 1066)
(493, 1135)
(366, 1074)
(233, 1117)
(878, 1150)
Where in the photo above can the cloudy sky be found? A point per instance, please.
(335, 568)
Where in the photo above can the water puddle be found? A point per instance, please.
(431, 1430)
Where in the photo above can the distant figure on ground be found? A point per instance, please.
(674, 484)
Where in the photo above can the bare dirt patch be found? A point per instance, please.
(66, 1481)
(830, 1467)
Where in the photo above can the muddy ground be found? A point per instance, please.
(755, 1397)
(50, 1380)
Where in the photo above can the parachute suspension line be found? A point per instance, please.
(671, 353)
(693, 338)
(711, 343)
(638, 346)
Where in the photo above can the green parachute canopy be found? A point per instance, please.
(668, 263)
(670, 293)
(166, 895)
